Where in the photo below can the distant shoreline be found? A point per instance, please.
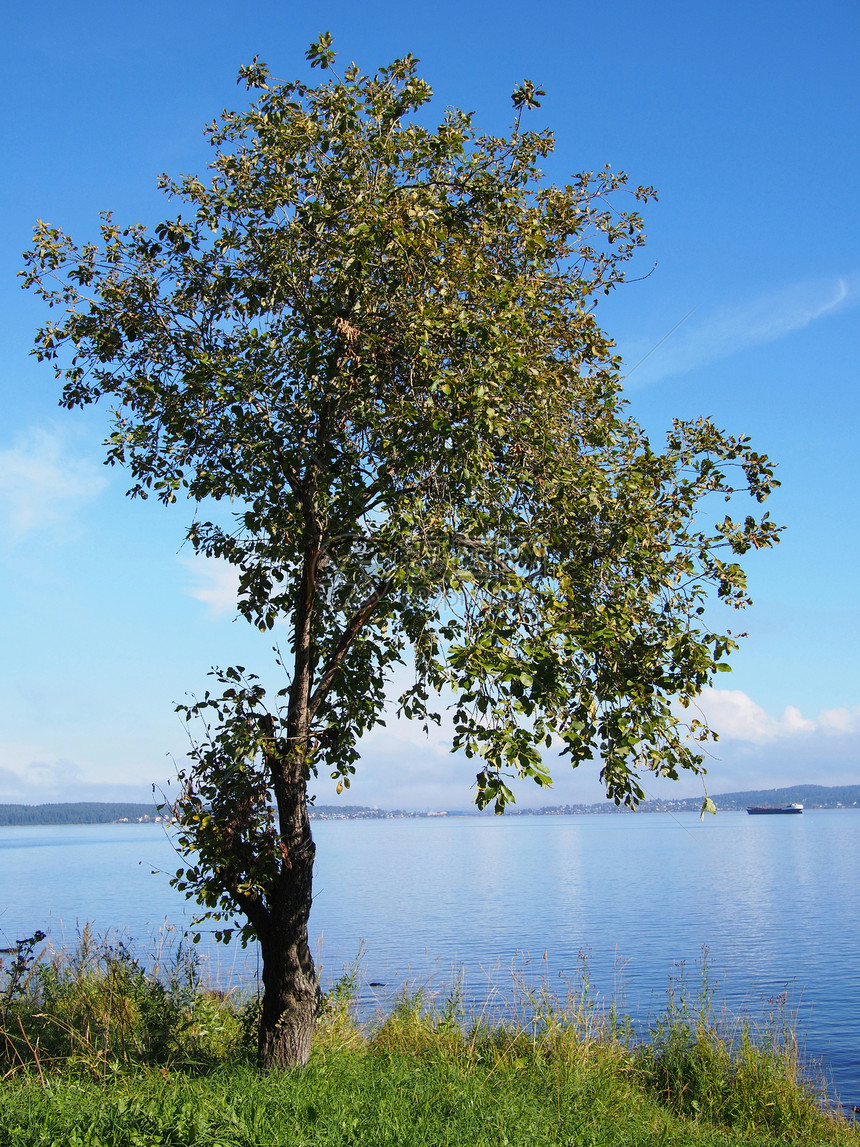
(80, 812)
(108, 812)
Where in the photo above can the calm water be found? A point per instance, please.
(773, 898)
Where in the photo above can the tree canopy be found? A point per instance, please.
(376, 341)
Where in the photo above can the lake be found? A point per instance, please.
(773, 899)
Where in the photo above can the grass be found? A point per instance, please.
(96, 1051)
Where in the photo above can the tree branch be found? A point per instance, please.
(349, 635)
(252, 906)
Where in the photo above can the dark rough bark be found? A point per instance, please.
(289, 978)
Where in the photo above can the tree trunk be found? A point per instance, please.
(289, 977)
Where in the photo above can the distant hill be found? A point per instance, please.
(810, 796)
(82, 812)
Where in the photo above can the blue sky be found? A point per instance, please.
(744, 118)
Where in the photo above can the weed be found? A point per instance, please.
(96, 1007)
(725, 1069)
(97, 1045)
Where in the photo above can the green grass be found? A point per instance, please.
(96, 1052)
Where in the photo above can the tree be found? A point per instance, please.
(377, 342)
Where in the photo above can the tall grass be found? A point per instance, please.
(97, 1008)
(727, 1069)
(91, 1034)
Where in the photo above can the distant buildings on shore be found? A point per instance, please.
(145, 819)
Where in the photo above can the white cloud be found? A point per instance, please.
(42, 484)
(700, 340)
(840, 721)
(216, 583)
(735, 716)
(51, 776)
(34, 773)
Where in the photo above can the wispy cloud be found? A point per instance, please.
(43, 782)
(735, 716)
(33, 773)
(215, 583)
(701, 339)
(42, 484)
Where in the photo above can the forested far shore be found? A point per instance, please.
(105, 812)
(80, 812)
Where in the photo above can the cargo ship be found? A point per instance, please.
(769, 811)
